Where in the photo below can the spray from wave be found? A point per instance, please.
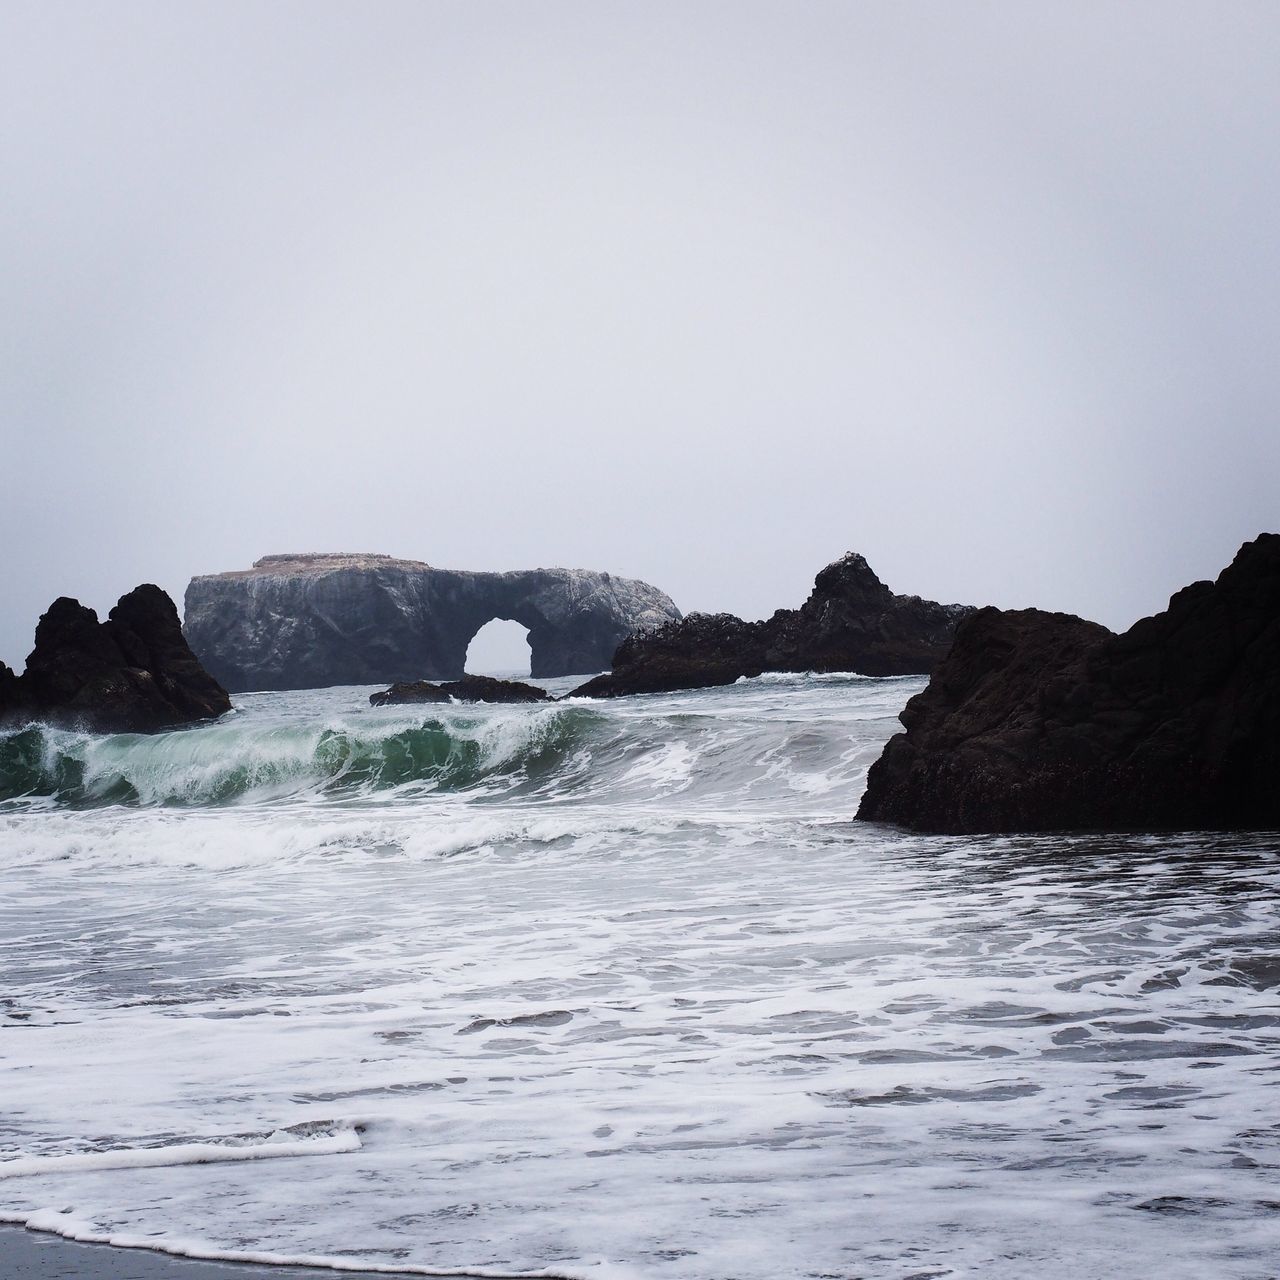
(225, 763)
(572, 750)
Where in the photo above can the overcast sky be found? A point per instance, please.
(701, 293)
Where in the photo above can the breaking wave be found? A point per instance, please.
(225, 763)
(617, 989)
(776, 750)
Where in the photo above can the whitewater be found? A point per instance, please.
(619, 990)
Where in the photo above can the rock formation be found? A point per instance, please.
(11, 692)
(302, 622)
(133, 673)
(850, 622)
(468, 689)
(1041, 721)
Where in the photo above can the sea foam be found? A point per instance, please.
(634, 998)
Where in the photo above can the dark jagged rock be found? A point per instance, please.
(1043, 722)
(468, 689)
(13, 699)
(133, 673)
(850, 622)
(487, 689)
(700, 650)
(408, 691)
(308, 621)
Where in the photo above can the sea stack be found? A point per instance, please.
(133, 673)
(850, 622)
(308, 621)
(1044, 722)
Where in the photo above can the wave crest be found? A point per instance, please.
(226, 763)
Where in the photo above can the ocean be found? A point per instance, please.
(619, 990)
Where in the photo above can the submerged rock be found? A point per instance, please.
(850, 622)
(1042, 721)
(133, 673)
(468, 689)
(308, 621)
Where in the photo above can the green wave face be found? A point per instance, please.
(224, 764)
(773, 745)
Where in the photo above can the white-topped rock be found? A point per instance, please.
(304, 621)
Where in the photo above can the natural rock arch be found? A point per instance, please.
(307, 621)
(501, 646)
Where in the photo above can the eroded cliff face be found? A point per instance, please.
(850, 622)
(308, 621)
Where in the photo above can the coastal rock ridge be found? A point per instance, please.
(850, 622)
(1044, 722)
(309, 621)
(133, 673)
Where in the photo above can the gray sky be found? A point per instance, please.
(701, 293)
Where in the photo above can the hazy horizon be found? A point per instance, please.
(703, 295)
(500, 647)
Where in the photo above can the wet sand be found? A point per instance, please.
(39, 1255)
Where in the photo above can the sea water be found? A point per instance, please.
(619, 989)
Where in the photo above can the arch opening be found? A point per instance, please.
(500, 648)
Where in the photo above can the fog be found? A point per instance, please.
(500, 647)
(703, 294)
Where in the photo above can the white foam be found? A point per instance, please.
(69, 1227)
(277, 1146)
(627, 1018)
(666, 767)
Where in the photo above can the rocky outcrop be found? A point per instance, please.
(133, 673)
(468, 689)
(11, 693)
(1041, 721)
(850, 622)
(407, 692)
(301, 622)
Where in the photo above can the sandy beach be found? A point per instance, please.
(39, 1255)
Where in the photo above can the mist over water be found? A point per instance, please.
(619, 989)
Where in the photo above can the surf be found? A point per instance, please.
(229, 763)
(293, 748)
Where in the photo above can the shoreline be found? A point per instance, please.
(30, 1253)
